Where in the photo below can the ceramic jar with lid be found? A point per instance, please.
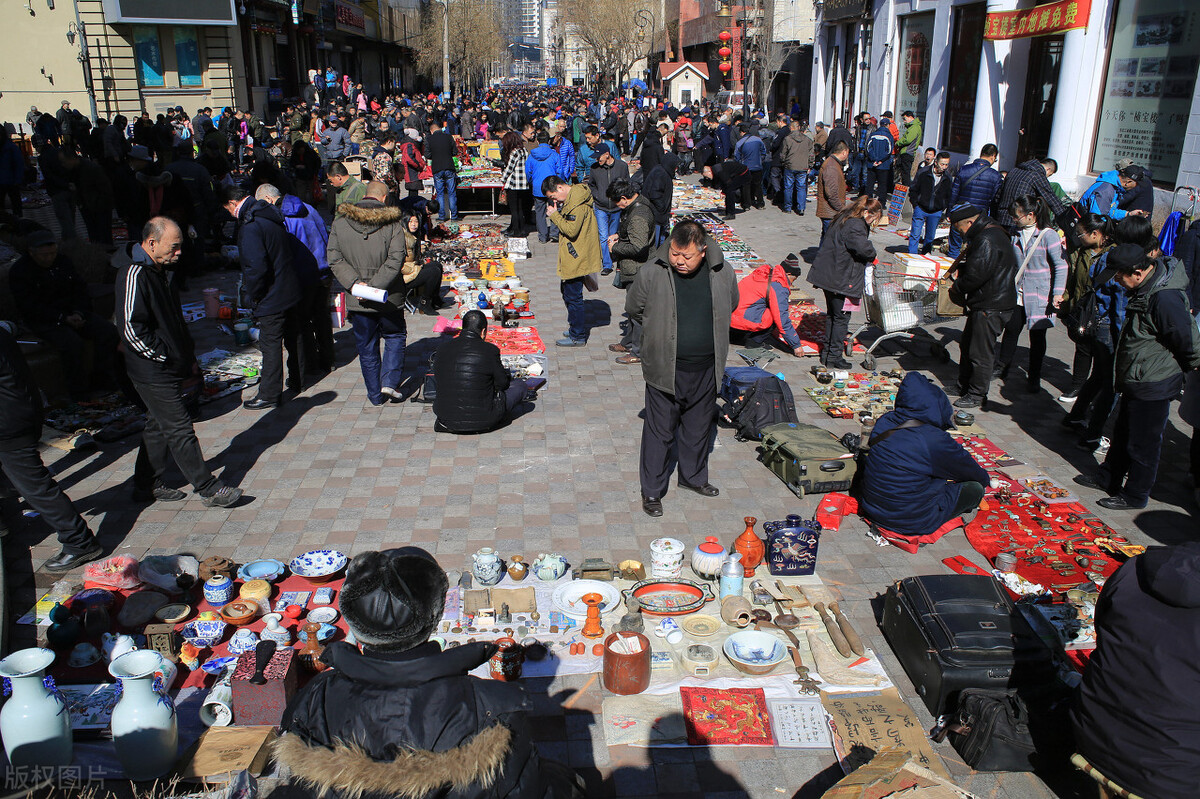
(258, 592)
(219, 590)
(707, 558)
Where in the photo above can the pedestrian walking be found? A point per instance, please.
(440, 151)
(578, 251)
(840, 270)
(930, 197)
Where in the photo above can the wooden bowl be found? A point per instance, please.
(239, 612)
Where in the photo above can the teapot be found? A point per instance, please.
(550, 567)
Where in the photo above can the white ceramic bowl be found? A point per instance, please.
(754, 652)
(318, 565)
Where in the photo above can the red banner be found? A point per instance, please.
(1064, 15)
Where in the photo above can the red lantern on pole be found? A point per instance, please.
(724, 36)
(725, 67)
(725, 52)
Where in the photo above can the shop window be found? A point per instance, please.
(187, 56)
(148, 50)
(168, 57)
(966, 48)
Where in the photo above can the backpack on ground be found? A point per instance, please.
(879, 148)
(769, 401)
(737, 380)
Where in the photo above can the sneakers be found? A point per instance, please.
(1069, 397)
(571, 342)
(223, 497)
(160, 493)
(606, 271)
(390, 392)
(1102, 447)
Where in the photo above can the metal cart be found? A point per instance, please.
(900, 306)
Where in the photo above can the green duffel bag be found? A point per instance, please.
(808, 459)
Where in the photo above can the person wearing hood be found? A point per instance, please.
(606, 169)
(272, 288)
(658, 189)
(1136, 716)
(367, 247)
(1104, 196)
(398, 716)
(763, 306)
(916, 476)
(1159, 341)
(304, 223)
(539, 165)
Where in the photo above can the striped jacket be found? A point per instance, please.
(158, 347)
(1045, 276)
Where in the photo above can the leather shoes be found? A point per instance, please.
(260, 404)
(652, 505)
(618, 348)
(706, 490)
(628, 359)
(1087, 481)
(65, 561)
(1118, 503)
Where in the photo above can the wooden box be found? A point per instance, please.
(264, 704)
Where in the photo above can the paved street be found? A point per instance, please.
(328, 469)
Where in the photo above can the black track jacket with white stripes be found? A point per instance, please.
(158, 348)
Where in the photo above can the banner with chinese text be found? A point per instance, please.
(1065, 15)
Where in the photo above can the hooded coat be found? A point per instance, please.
(539, 165)
(763, 304)
(1159, 339)
(1136, 714)
(910, 480)
(269, 281)
(409, 724)
(303, 222)
(579, 235)
(367, 243)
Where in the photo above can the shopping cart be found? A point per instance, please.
(900, 304)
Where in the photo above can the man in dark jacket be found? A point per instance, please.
(750, 151)
(985, 285)
(630, 247)
(1136, 719)
(1030, 177)
(975, 184)
(272, 288)
(930, 196)
(880, 147)
(729, 177)
(20, 432)
(439, 152)
(401, 717)
(607, 169)
(159, 356)
(658, 189)
(917, 476)
(1139, 198)
(1158, 343)
(475, 392)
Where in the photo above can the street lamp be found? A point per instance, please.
(445, 47)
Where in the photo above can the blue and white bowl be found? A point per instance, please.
(203, 632)
(319, 565)
(754, 652)
(242, 641)
(267, 569)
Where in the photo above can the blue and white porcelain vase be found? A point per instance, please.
(219, 590)
(487, 566)
(144, 728)
(34, 722)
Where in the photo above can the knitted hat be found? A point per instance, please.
(964, 211)
(393, 600)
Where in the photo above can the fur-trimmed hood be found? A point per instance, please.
(369, 215)
(349, 772)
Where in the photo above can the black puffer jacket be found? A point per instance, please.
(987, 276)
(411, 724)
(471, 382)
(1136, 714)
(268, 276)
(20, 401)
(841, 263)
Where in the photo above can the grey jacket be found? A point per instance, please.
(366, 243)
(633, 238)
(651, 301)
(796, 152)
(600, 178)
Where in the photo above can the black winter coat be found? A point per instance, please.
(1136, 715)
(988, 269)
(269, 279)
(20, 401)
(841, 263)
(931, 192)
(1140, 197)
(471, 381)
(410, 724)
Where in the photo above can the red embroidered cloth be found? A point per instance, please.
(733, 716)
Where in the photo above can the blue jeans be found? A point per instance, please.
(858, 172)
(572, 294)
(955, 242)
(445, 186)
(607, 221)
(922, 221)
(795, 181)
(368, 329)
(546, 229)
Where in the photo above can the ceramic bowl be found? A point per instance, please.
(319, 565)
(173, 613)
(83, 655)
(239, 612)
(242, 641)
(267, 569)
(201, 633)
(323, 615)
(324, 633)
(754, 652)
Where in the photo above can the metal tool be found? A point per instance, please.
(785, 621)
(835, 632)
(856, 644)
(807, 684)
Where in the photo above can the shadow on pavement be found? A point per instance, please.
(244, 449)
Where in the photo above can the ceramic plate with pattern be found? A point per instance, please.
(568, 597)
(700, 625)
(670, 596)
(318, 565)
(267, 569)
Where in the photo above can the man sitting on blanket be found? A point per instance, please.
(917, 478)
(475, 393)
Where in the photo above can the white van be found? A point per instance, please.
(731, 99)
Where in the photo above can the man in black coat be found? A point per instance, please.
(658, 189)
(20, 431)
(402, 717)
(440, 150)
(474, 390)
(1029, 177)
(985, 285)
(728, 176)
(1137, 714)
(272, 288)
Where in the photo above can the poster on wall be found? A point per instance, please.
(149, 55)
(912, 88)
(187, 57)
(1149, 86)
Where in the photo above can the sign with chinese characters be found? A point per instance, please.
(349, 18)
(148, 53)
(864, 723)
(1149, 86)
(844, 9)
(1065, 15)
(912, 89)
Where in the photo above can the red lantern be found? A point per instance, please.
(724, 36)
(726, 66)
(724, 52)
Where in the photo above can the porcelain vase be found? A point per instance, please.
(219, 590)
(707, 558)
(550, 567)
(34, 721)
(145, 730)
(487, 566)
(750, 546)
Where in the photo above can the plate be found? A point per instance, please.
(173, 613)
(324, 615)
(218, 665)
(673, 596)
(567, 597)
(701, 625)
(266, 569)
(318, 565)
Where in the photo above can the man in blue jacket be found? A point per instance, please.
(916, 476)
(880, 147)
(749, 152)
(539, 165)
(1104, 196)
(272, 288)
(975, 184)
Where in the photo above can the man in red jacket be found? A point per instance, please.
(763, 306)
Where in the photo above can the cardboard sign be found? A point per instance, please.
(867, 722)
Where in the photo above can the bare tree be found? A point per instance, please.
(475, 41)
(771, 55)
(610, 31)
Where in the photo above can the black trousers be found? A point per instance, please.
(730, 201)
(1131, 466)
(752, 192)
(275, 332)
(31, 478)
(903, 167)
(837, 325)
(316, 327)
(425, 288)
(879, 184)
(1008, 344)
(1097, 397)
(98, 222)
(685, 419)
(1081, 364)
(977, 351)
(169, 431)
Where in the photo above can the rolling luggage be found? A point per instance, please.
(956, 631)
(808, 459)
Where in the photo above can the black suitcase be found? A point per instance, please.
(956, 631)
